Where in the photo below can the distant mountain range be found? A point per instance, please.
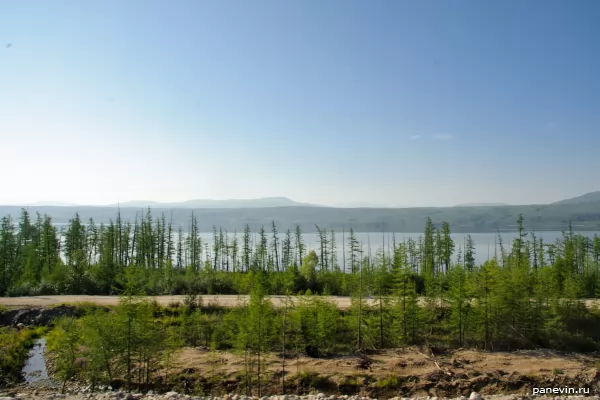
(482, 205)
(207, 203)
(591, 197)
(548, 217)
(361, 205)
(234, 215)
(266, 202)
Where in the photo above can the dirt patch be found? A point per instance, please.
(404, 372)
(408, 372)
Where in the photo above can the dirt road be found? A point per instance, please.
(221, 300)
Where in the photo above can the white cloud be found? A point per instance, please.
(443, 136)
(415, 137)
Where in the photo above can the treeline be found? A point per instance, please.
(88, 258)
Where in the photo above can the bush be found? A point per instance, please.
(22, 290)
(391, 382)
(308, 381)
(87, 307)
(47, 289)
(578, 344)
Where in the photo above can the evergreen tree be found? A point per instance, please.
(275, 245)
(428, 250)
(469, 254)
(353, 251)
(323, 243)
(246, 248)
(300, 246)
(459, 297)
(447, 245)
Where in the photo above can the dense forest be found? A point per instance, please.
(550, 217)
(425, 291)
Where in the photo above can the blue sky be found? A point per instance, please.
(407, 103)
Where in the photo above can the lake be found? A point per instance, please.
(484, 242)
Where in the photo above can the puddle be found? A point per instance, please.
(35, 367)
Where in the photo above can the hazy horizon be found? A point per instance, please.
(405, 104)
(334, 205)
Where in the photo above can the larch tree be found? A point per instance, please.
(300, 246)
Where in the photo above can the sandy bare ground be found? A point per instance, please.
(401, 362)
(418, 373)
(460, 371)
(220, 300)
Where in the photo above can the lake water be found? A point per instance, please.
(484, 242)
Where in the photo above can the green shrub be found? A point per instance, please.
(390, 382)
(22, 290)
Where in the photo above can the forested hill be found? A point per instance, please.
(592, 197)
(551, 217)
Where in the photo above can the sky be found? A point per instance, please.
(399, 103)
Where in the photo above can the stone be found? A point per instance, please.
(475, 396)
